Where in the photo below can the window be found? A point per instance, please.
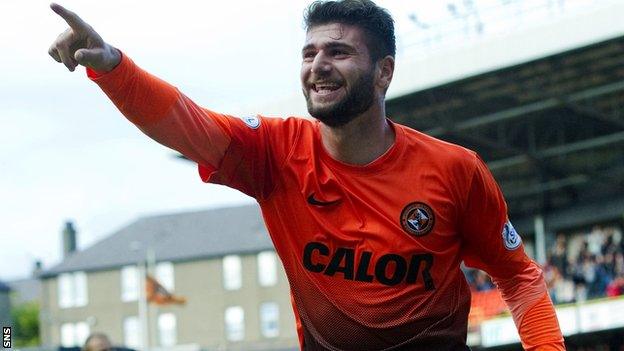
(267, 268)
(74, 334)
(72, 290)
(232, 269)
(80, 289)
(129, 283)
(67, 335)
(65, 292)
(269, 319)
(132, 332)
(167, 329)
(81, 332)
(234, 323)
(164, 275)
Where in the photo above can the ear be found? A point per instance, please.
(385, 71)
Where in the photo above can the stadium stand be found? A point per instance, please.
(580, 266)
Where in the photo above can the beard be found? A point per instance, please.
(358, 100)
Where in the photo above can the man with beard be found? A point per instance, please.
(370, 218)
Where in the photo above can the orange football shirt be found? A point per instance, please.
(372, 253)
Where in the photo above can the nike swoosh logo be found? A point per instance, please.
(315, 202)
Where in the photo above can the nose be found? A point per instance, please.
(320, 64)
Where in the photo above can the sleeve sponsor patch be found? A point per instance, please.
(252, 122)
(511, 239)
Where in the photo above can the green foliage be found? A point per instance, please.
(26, 324)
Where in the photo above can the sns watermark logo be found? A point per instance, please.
(6, 337)
(511, 239)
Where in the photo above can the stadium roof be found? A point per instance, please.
(174, 237)
(551, 130)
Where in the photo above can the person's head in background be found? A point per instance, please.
(97, 342)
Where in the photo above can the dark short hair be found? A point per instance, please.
(374, 20)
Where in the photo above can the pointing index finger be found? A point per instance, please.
(71, 18)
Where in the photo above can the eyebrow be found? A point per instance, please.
(331, 45)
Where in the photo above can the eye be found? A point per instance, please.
(308, 56)
(339, 53)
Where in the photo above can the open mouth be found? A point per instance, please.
(325, 88)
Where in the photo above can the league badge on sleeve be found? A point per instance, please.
(511, 239)
(252, 122)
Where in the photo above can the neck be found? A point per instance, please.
(362, 140)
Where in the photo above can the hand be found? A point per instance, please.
(80, 44)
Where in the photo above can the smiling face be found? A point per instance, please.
(337, 75)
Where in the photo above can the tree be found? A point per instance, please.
(26, 324)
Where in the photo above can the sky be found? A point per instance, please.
(66, 153)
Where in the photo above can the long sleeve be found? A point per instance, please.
(492, 244)
(537, 326)
(242, 153)
(165, 114)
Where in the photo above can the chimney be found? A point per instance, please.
(69, 239)
(37, 268)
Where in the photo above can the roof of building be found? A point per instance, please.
(174, 237)
(25, 290)
(4, 287)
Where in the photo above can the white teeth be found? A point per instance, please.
(326, 87)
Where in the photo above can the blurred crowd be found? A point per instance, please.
(580, 266)
(585, 266)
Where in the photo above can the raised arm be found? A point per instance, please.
(156, 107)
(244, 154)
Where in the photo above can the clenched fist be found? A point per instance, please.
(80, 44)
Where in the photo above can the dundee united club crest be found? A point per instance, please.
(417, 218)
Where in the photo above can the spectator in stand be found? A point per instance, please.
(619, 263)
(609, 264)
(609, 245)
(616, 287)
(595, 240)
(561, 290)
(589, 276)
(576, 271)
(559, 254)
(602, 278)
(583, 254)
